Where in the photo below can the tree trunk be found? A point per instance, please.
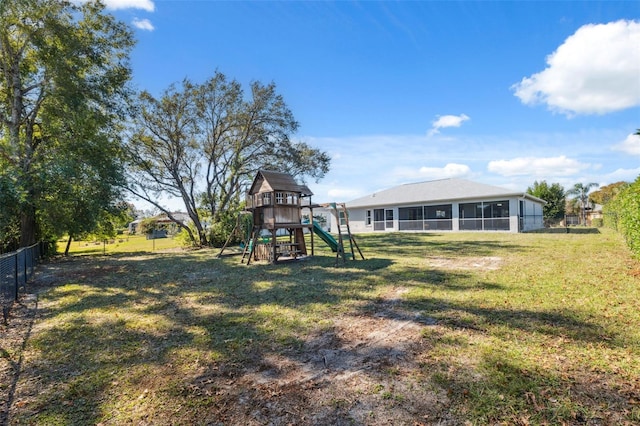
(195, 219)
(203, 239)
(28, 226)
(66, 250)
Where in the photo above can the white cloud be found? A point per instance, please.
(343, 193)
(595, 71)
(631, 145)
(143, 24)
(450, 170)
(626, 175)
(538, 166)
(447, 121)
(147, 5)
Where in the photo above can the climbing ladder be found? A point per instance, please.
(336, 209)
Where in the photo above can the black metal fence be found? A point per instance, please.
(16, 269)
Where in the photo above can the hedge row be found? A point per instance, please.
(623, 214)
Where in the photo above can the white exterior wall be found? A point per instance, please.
(455, 216)
(356, 221)
(357, 218)
(514, 220)
(532, 217)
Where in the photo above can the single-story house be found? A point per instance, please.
(161, 219)
(445, 205)
(592, 212)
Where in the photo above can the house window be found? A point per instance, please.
(388, 215)
(410, 218)
(378, 220)
(438, 212)
(470, 216)
(438, 217)
(496, 209)
(488, 216)
(279, 197)
(410, 213)
(342, 216)
(266, 199)
(496, 216)
(368, 218)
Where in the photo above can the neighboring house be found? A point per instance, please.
(321, 215)
(594, 212)
(573, 216)
(445, 205)
(179, 216)
(161, 219)
(133, 226)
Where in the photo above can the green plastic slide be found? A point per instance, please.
(326, 237)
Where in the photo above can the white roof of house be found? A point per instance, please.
(435, 191)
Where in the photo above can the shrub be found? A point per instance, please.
(221, 230)
(183, 237)
(623, 214)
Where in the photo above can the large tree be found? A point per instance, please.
(203, 143)
(84, 185)
(163, 153)
(555, 197)
(63, 74)
(608, 192)
(9, 224)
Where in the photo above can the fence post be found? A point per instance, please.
(26, 271)
(15, 274)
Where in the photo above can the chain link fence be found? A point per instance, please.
(16, 269)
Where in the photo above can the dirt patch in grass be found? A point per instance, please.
(479, 263)
(361, 370)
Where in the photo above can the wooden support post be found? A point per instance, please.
(274, 252)
(252, 243)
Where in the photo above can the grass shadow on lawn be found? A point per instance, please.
(396, 244)
(124, 338)
(503, 381)
(565, 324)
(112, 315)
(566, 230)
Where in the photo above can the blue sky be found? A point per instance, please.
(503, 93)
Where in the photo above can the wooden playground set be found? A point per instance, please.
(274, 224)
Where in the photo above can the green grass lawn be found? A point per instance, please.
(482, 328)
(120, 244)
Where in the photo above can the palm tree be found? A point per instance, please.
(581, 193)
